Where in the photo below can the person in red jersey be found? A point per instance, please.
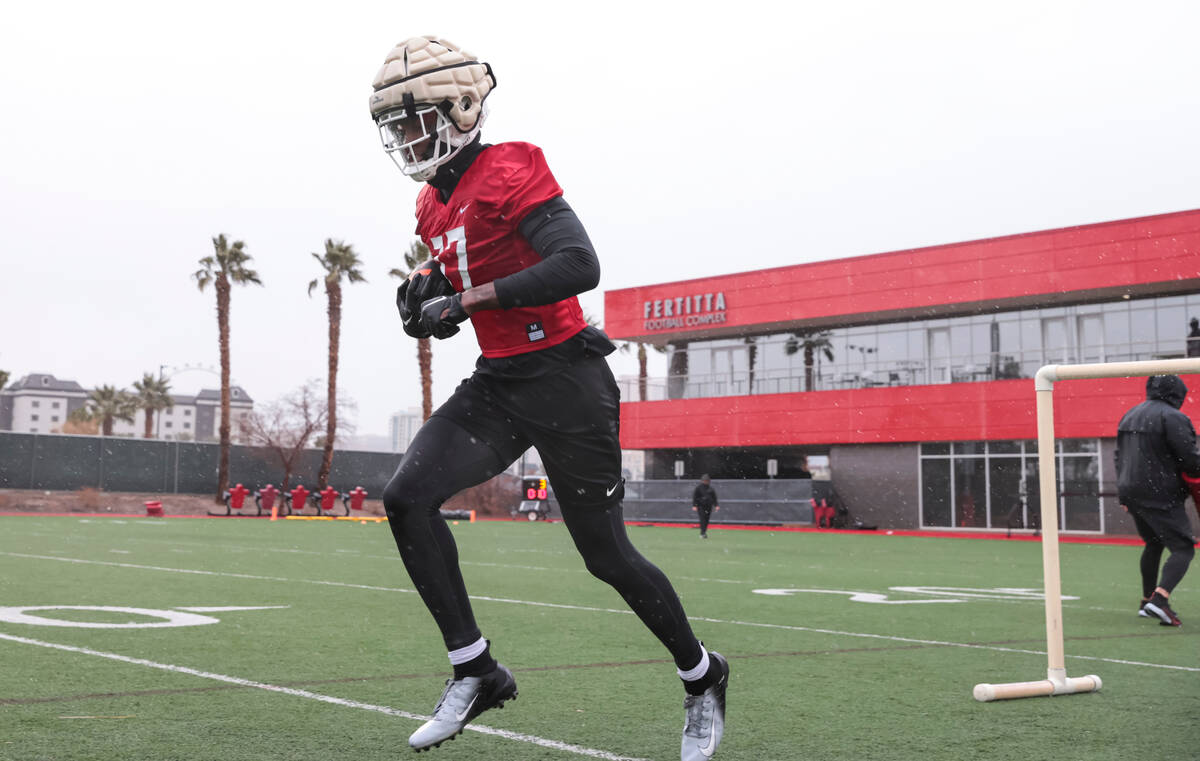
(511, 256)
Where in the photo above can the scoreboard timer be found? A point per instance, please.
(535, 499)
(535, 489)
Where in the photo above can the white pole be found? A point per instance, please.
(1048, 482)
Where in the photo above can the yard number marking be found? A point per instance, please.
(166, 618)
(938, 594)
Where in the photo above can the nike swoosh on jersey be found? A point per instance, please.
(610, 491)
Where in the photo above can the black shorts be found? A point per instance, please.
(1170, 528)
(571, 417)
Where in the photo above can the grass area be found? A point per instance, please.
(342, 659)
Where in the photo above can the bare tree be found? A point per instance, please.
(287, 426)
(290, 425)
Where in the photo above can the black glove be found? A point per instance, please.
(411, 320)
(440, 316)
(425, 283)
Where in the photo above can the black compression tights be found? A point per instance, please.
(443, 460)
(1172, 570)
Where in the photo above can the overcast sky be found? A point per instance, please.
(691, 142)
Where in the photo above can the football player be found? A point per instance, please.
(511, 256)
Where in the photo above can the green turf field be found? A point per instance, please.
(339, 660)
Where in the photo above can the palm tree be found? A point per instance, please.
(153, 395)
(339, 260)
(643, 356)
(810, 341)
(226, 267)
(418, 253)
(107, 404)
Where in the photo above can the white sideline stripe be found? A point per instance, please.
(507, 735)
(626, 611)
(941, 643)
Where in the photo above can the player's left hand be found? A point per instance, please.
(440, 316)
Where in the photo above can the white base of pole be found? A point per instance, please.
(985, 693)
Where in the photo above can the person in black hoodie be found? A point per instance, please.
(704, 501)
(1156, 444)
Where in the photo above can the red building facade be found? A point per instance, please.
(883, 361)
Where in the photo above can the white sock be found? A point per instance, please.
(474, 650)
(700, 670)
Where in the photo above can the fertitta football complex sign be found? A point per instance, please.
(684, 311)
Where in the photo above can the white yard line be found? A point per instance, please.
(507, 735)
(624, 611)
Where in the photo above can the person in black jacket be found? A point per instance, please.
(704, 501)
(1156, 444)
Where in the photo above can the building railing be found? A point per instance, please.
(827, 376)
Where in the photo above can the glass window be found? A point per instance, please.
(35, 403)
(1091, 337)
(999, 489)
(939, 355)
(935, 493)
(33, 417)
(1141, 325)
(1031, 346)
(893, 346)
(1056, 340)
(981, 347)
(1080, 484)
(1033, 494)
(916, 343)
(970, 492)
(982, 342)
(1116, 333)
(54, 405)
(772, 356)
(1004, 492)
(960, 343)
(935, 448)
(1172, 329)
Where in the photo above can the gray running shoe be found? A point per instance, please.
(705, 717)
(463, 700)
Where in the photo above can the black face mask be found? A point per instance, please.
(451, 172)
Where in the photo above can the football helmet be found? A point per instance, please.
(428, 103)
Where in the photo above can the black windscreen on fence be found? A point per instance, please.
(134, 465)
(63, 462)
(769, 501)
(67, 463)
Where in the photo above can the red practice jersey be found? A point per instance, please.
(475, 237)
